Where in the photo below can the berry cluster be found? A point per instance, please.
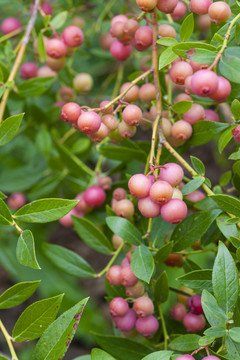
(190, 357)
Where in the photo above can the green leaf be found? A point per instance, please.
(98, 354)
(68, 261)
(224, 139)
(41, 47)
(226, 229)
(204, 131)
(233, 348)
(36, 318)
(216, 331)
(229, 64)
(235, 155)
(187, 28)
(159, 355)
(35, 87)
(225, 178)
(213, 313)
(119, 347)
(193, 185)
(203, 56)
(198, 165)
(122, 153)
(185, 343)
(17, 294)
(125, 229)
(167, 41)
(235, 107)
(59, 20)
(166, 57)
(9, 128)
(206, 340)
(44, 141)
(25, 250)
(55, 341)
(3, 358)
(91, 235)
(142, 263)
(181, 49)
(198, 280)
(235, 334)
(181, 107)
(235, 241)
(45, 210)
(161, 289)
(228, 203)
(163, 252)
(192, 228)
(225, 279)
(83, 357)
(5, 215)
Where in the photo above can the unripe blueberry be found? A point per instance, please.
(46, 8)
(132, 114)
(204, 83)
(136, 290)
(211, 115)
(120, 51)
(143, 306)
(182, 130)
(219, 12)
(167, 6)
(105, 182)
(183, 298)
(127, 322)
(66, 220)
(185, 357)
(71, 112)
(195, 196)
(117, 30)
(116, 241)
(198, 66)
(46, 71)
(144, 63)
(78, 21)
(200, 7)
(10, 24)
(204, 22)
(149, 208)
(127, 276)
(147, 326)
(117, 18)
(110, 121)
(106, 41)
(126, 131)
(129, 253)
(130, 27)
(161, 191)
(187, 85)
(180, 71)
(56, 48)
(125, 262)
(147, 92)
(177, 194)
(146, 5)
(100, 134)
(139, 185)
(66, 93)
(73, 36)
(195, 114)
(124, 208)
(166, 127)
(114, 275)
(172, 173)
(118, 307)
(166, 30)
(83, 82)
(174, 260)
(56, 64)
(183, 97)
(89, 122)
(108, 110)
(132, 95)
(223, 90)
(179, 11)
(143, 38)
(119, 194)
(16, 200)
(82, 205)
(28, 70)
(211, 357)
(94, 196)
(236, 134)
(194, 304)
(178, 312)
(194, 323)
(174, 211)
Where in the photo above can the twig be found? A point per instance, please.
(110, 262)
(9, 341)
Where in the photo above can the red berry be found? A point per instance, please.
(183, 97)
(106, 41)
(110, 121)
(167, 6)
(105, 182)
(143, 38)
(180, 71)
(179, 11)
(172, 173)
(236, 134)
(132, 114)
(71, 112)
(16, 200)
(181, 130)
(185, 357)
(56, 48)
(211, 115)
(194, 304)
(194, 323)
(119, 194)
(82, 205)
(174, 211)
(147, 326)
(146, 5)
(148, 208)
(132, 95)
(200, 6)
(119, 51)
(143, 306)
(67, 219)
(100, 134)
(211, 357)
(10, 24)
(28, 70)
(114, 275)
(178, 312)
(161, 191)
(46, 71)
(117, 18)
(126, 322)
(126, 131)
(147, 92)
(130, 27)
(124, 208)
(47, 8)
(125, 262)
(174, 260)
(94, 196)
(223, 90)
(195, 196)
(107, 111)
(219, 12)
(195, 114)
(166, 30)
(89, 122)
(118, 307)
(127, 277)
(139, 185)
(73, 36)
(204, 83)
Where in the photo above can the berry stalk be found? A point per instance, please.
(9, 341)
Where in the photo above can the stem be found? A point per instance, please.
(9, 341)
(165, 334)
(170, 19)
(110, 262)
(67, 135)
(10, 35)
(118, 80)
(178, 291)
(18, 228)
(225, 42)
(194, 252)
(19, 57)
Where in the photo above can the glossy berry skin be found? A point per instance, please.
(94, 196)
(143, 306)
(194, 304)
(82, 205)
(178, 312)
(147, 93)
(110, 121)
(172, 173)
(219, 12)
(211, 115)
(89, 122)
(114, 275)
(16, 200)
(118, 307)
(161, 191)
(136, 290)
(124, 208)
(179, 11)
(211, 357)
(174, 211)
(100, 134)
(148, 208)
(143, 38)
(119, 194)
(71, 112)
(83, 82)
(223, 90)
(181, 130)
(10, 24)
(236, 134)
(28, 70)
(126, 131)
(120, 51)
(167, 6)
(194, 323)
(66, 220)
(104, 110)
(132, 114)
(56, 48)
(146, 5)
(185, 357)
(166, 30)
(200, 7)
(183, 97)
(139, 185)
(204, 83)
(147, 326)
(117, 18)
(73, 36)
(126, 322)
(195, 196)
(127, 277)
(180, 71)
(195, 114)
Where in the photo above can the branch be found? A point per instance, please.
(9, 341)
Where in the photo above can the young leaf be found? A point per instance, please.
(55, 341)
(161, 289)
(198, 165)
(185, 343)
(166, 57)
(224, 139)
(142, 263)
(182, 106)
(36, 318)
(216, 331)
(68, 261)
(9, 128)
(235, 107)
(198, 280)
(41, 47)
(193, 185)
(91, 235)
(228, 203)
(213, 313)
(225, 178)
(45, 210)
(17, 294)
(98, 354)
(235, 334)
(59, 20)
(159, 355)
(5, 215)
(125, 229)
(25, 250)
(225, 279)
(206, 340)
(187, 28)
